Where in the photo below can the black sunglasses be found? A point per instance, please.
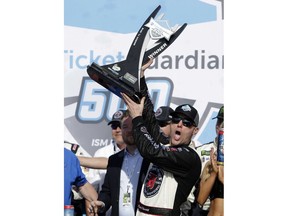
(163, 123)
(114, 126)
(186, 123)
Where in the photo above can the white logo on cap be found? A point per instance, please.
(186, 108)
(158, 112)
(118, 115)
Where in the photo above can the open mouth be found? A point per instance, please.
(177, 135)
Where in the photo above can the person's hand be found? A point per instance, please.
(206, 171)
(213, 159)
(215, 168)
(134, 108)
(145, 66)
(94, 206)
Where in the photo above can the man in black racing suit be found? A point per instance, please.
(174, 167)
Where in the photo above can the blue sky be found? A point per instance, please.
(127, 16)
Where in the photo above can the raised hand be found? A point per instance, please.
(145, 66)
(134, 108)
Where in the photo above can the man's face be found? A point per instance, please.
(117, 132)
(127, 132)
(182, 130)
(165, 127)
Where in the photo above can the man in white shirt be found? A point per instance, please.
(96, 176)
(126, 171)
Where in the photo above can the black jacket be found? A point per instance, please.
(111, 186)
(175, 169)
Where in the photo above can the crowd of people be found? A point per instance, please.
(153, 167)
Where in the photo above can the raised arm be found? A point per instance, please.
(93, 162)
(208, 177)
(148, 110)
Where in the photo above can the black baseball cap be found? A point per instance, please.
(188, 111)
(163, 113)
(117, 116)
(220, 114)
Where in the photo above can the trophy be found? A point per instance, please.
(124, 76)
